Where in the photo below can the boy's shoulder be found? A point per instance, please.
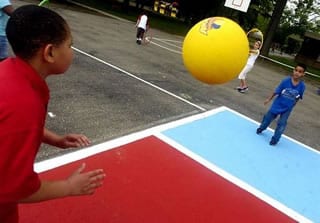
(286, 79)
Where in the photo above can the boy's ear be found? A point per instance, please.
(48, 53)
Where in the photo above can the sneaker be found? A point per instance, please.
(273, 142)
(259, 130)
(139, 42)
(238, 88)
(242, 90)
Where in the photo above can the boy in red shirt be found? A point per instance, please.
(41, 41)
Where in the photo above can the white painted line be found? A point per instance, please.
(171, 50)
(167, 42)
(234, 180)
(89, 151)
(140, 79)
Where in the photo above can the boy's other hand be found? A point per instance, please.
(73, 141)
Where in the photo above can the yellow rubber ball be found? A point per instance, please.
(215, 50)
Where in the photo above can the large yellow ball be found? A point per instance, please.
(215, 50)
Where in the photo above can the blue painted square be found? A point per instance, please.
(288, 172)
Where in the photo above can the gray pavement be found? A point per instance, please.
(123, 87)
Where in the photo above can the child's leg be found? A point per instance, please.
(243, 86)
(281, 126)
(242, 76)
(242, 83)
(142, 34)
(266, 121)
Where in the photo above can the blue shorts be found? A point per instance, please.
(3, 47)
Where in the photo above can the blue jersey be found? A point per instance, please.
(288, 95)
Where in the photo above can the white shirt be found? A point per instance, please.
(142, 22)
(252, 57)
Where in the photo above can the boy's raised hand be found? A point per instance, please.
(85, 183)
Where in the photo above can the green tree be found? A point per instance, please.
(302, 16)
(273, 25)
(296, 18)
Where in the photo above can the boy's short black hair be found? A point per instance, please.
(31, 27)
(303, 66)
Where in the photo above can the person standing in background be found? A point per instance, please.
(253, 55)
(5, 12)
(142, 26)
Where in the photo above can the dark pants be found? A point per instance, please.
(140, 33)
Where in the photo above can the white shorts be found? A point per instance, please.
(245, 70)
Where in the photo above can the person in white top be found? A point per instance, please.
(142, 26)
(253, 55)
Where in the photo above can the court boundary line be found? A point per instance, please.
(55, 162)
(168, 42)
(139, 79)
(171, 50)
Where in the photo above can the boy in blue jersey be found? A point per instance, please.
(289, 91)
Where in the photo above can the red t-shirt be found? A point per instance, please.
(24, 96)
